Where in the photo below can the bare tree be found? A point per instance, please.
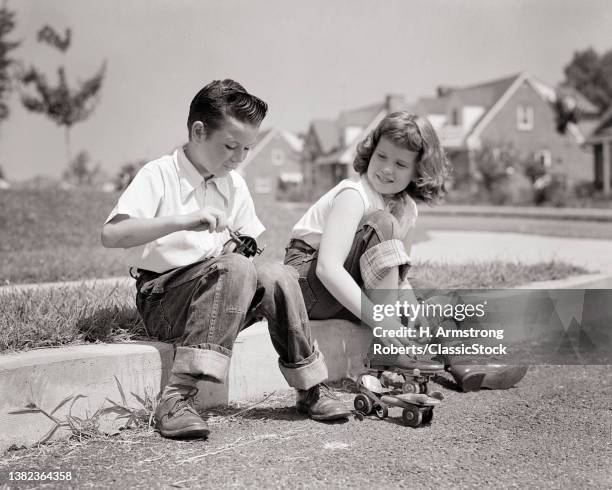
(64, 105)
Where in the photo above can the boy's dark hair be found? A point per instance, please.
(414, 133)
(222, 98)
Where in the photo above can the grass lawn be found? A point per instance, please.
(54, 235)
(49, 317)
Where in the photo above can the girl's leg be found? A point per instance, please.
(384, 271)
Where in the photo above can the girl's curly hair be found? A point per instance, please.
(415, 134)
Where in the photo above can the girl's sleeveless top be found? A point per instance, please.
(310, 227)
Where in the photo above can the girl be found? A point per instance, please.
(350, 244)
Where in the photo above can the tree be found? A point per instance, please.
(127, 173)
(64, 105)
(591, 75)
(80, 171)
(7, 24)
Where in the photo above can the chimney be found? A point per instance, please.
(443, 90)
(394, 102)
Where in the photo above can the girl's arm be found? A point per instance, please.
(124, 231)
(336, 241)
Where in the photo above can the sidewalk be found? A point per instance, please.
(458, 247)
(580, 214)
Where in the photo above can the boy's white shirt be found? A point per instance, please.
(310, 227)
(171, 186)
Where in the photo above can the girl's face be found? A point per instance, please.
(391, 167)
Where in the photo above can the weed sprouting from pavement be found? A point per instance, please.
(136, 417)
(89, 426)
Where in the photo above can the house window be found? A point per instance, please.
(524, 118)
(455, 117)
(278, 156)
(263, 185)
(544, 157)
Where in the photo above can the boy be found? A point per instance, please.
(175, 219)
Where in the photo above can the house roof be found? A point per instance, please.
(294, 140)
(361, 116)
(265, 136)
(431, 105)
(488, 95)
(327, 134)
(603, 128)
(485, 94)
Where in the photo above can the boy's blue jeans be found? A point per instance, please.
(202, 308)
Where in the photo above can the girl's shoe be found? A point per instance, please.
(473, 377)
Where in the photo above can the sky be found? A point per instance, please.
(307, 59)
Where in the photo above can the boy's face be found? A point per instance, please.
(391, 167)
(222, 150)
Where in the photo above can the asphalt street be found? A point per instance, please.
(551, 431)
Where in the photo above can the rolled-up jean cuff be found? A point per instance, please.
(307, 376)
(200, 362)
(376, 262)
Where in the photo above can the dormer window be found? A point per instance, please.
(351, 133)
(524, 118)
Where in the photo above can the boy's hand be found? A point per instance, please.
(208, 218)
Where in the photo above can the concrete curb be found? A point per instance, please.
(45, 377)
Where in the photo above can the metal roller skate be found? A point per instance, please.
(411, 375)
(374, 397)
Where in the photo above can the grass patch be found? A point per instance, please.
(491, 275)
(53, 317)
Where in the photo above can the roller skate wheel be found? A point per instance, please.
(363, 404)
(412, 416)
(411, 387)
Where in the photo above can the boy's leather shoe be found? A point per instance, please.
(473, 377)
(177, 419)
(320, 403)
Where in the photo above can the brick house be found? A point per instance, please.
(517, 111)
(601, 142)
(273, 166)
